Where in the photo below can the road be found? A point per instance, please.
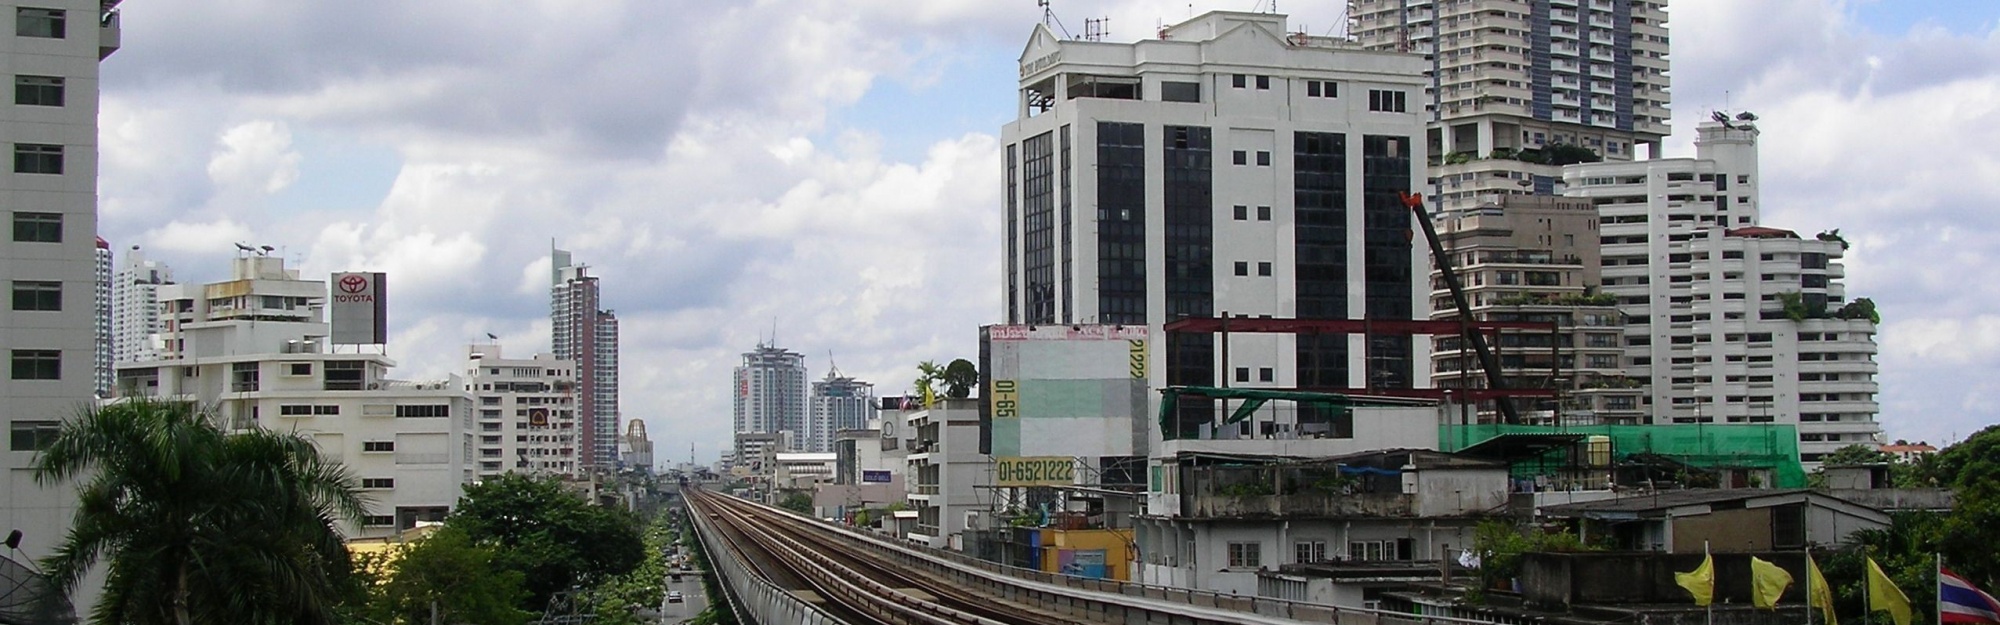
(696, 599)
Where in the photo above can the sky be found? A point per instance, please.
(827, 173)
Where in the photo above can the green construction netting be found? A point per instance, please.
(1766, 446)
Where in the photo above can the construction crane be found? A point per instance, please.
(1487, 360)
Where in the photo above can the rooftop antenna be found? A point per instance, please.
(1049, 18)
(1093, 29)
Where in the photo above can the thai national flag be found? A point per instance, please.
(1961, 602)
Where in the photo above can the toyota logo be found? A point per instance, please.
(353, 284)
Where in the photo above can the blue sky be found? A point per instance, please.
(833, 166)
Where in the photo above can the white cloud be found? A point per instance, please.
(255, 156)
(217, 238)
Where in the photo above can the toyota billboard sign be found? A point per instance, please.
(360, 309)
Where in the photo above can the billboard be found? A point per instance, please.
(1034, 471)
(359, 309)
(874, 477)
(538, 417)
(1064, 390)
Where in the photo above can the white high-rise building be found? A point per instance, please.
(1514, 79)
(254, 348)
(837, 403)
(527, 412)
(1229, 166)
(47, 257)
(1730, 321)
(101, 311)
(770, 394)
(587, 334)
(135, 306)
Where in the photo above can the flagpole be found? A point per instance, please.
(1937, 587)
(1709, 557)
(1809, 591)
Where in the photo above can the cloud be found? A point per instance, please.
(255, 156)
(215, 238)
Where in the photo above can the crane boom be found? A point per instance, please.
(1487, 360)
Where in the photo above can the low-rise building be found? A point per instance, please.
(944, 469)
(1720, 520)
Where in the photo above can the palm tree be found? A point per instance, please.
(197, 524)
(929, 375)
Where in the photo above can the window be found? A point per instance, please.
(242, 377)
(32, 22)
(298, 368)
(1242, 212)
(33, 435)
(1264, 269)
(1237, 81)
(378, 482)
(345, 375)
(378, 520)
(1309, 551)
(1242, 268)
(37, 295)
(38, 158)
(1240, 157)
(1246, 555)
(38, 227)
(1386, 101)
(421, 411)
(305, 410)
(1373, 550)
(38, 90)
(1266, 374)
(1263, 82)
(1263, 213)
(1263, 158)
(37, 364)
(1180, 91)
(1322, 89)
(1243, 374)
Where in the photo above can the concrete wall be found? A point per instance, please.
(1724, 530)
(1562, 579)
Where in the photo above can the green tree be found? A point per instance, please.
(797, 502)
(197, 524)
(615, 600)
(446, 574)
(1852, 455)
(929, 376)
(549, 534)
(1971, 469)
(959, 379)
(1501, 546)
(1905, 550)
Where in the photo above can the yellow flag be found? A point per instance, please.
(1767, 583)
(1884, 596)
(1820, 593)
(1700, 582)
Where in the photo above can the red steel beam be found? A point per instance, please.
(1211, 325)
(1477, 394)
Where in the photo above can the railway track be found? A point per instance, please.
(854, 585)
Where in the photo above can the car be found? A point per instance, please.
(675, 597)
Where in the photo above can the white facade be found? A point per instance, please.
(1702, 286)
(135, 306)
(253, 348)
(1226, 168)
(527, 412)
(582, 331)
(101, 312)
(837, 403)
(944, 469)
(770, 395)
(1512, 75)
(635, 449)
(50, 208)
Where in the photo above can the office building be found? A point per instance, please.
(135, 306)
(635, 449)
(585, 333)
(47, 258)
(1227, 167)
(1729, 320)
(101, 312)
(527, 412)
(837, 403)
(770, 397)
(255, 349)
(1534, 259)
(1521, 87)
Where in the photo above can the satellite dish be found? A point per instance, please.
(1746, 116)
(1720, 117)
(27, 597)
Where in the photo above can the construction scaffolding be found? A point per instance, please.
(1641, 452)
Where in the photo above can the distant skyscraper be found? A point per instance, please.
(837, 403)
(585, 333)
(101, 309)
(135, 306)
(771, 393)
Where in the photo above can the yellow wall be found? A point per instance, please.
(1117, 546)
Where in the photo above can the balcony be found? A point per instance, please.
(108, 32)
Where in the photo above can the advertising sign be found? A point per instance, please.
(874, 477)
(1034, 471)
(359, 310)
(538, 417)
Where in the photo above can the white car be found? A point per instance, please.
(675, 597)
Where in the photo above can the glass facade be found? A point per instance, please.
(1386, 248)
(1013, 238)
(1068, 231)
(1038, 226)
(1319, 203)
(1189, 186)
(1121, 223)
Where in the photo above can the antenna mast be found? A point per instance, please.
(1093, 29)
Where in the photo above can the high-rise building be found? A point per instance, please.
(1730, 321)
(101, 311)
(587, 334)
(47, 253)
(1228, 167)
(254, 350)
(1521, 87)
(135, 307)
(527, 412)
(771, 396)
(635, 449)
(837, 403)
(1535, 259)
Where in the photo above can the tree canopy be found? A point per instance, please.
(551, 535)
(959, 378)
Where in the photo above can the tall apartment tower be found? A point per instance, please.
(101, 312)
(135, 307)
(1228, 167)
(771, 395)
(47, 255)
(1730, 321)
(527, 412)
(587, 334)
(1513, 79)
(837, 403)
(1535, 259)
